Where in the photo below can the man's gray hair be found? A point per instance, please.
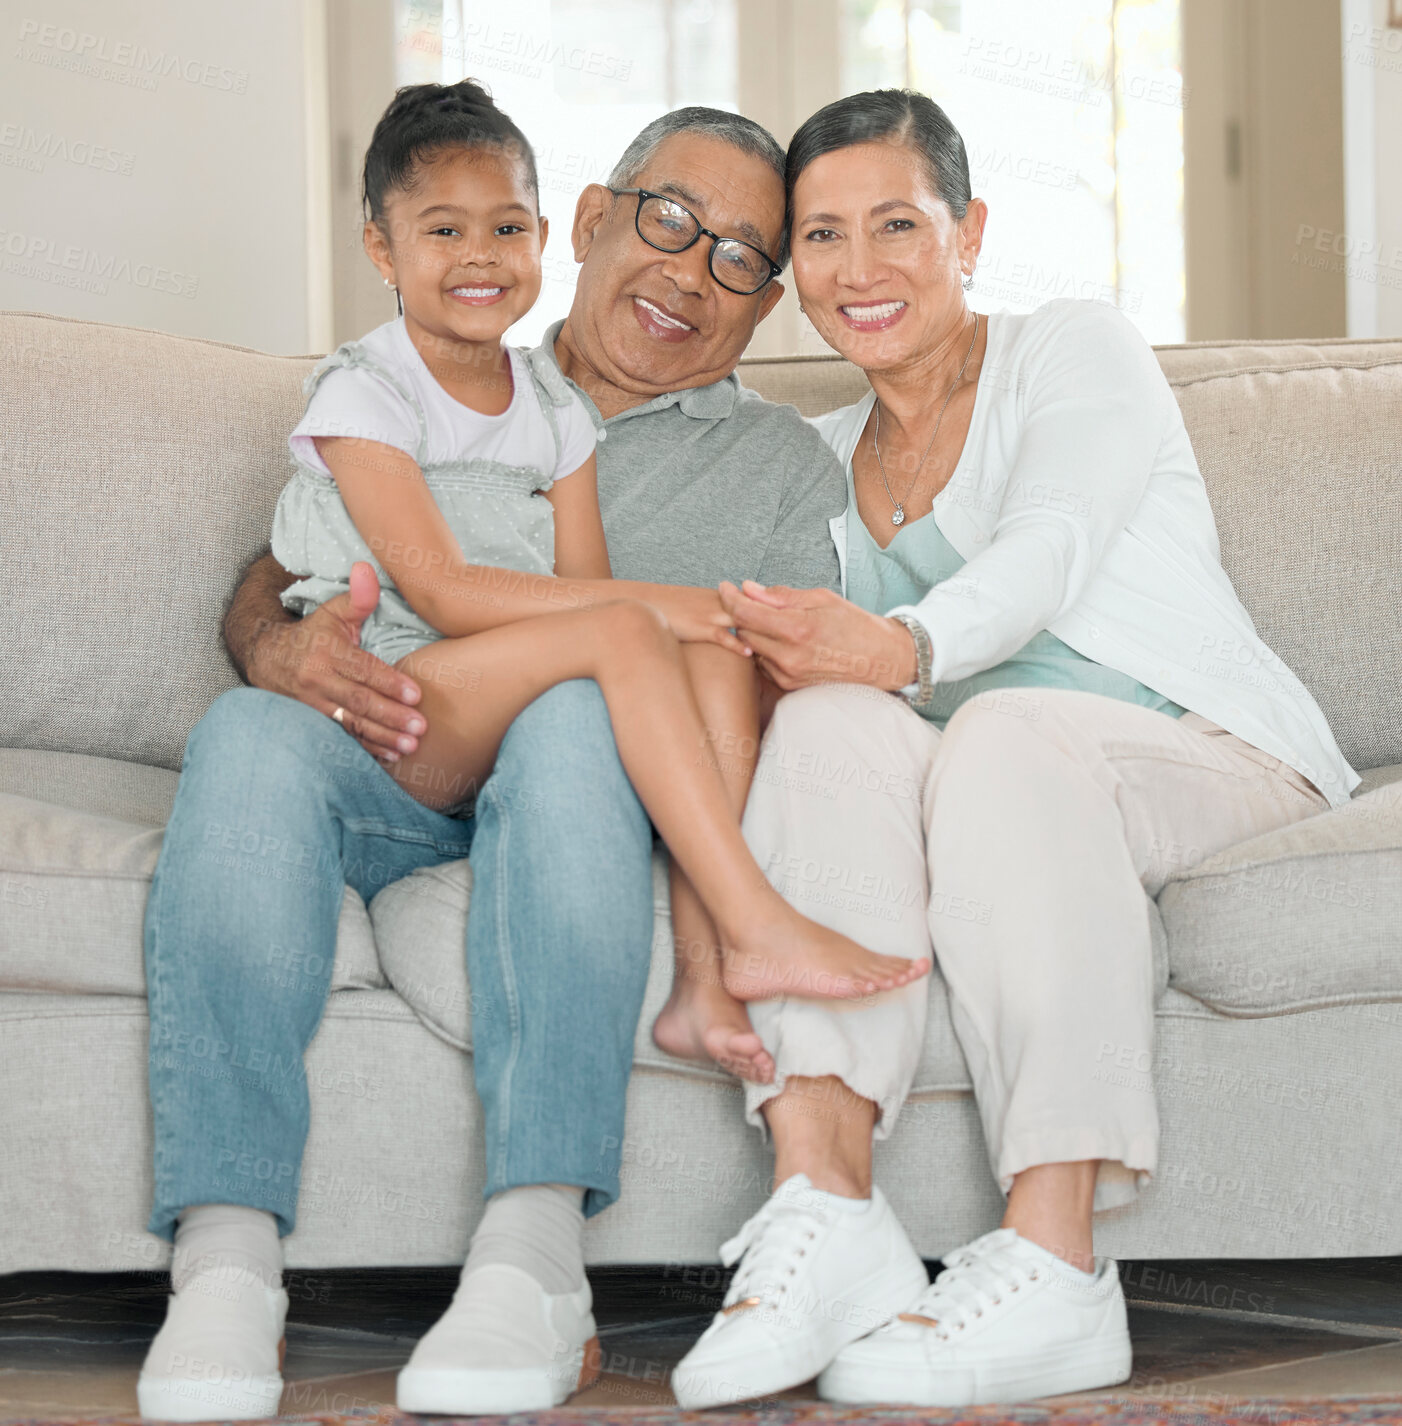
(735, 129)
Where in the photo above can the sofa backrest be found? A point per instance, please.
(140, 472)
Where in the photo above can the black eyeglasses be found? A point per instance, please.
(665, 224)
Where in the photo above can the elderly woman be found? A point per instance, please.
(1039, 684)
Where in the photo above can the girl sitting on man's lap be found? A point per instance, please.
(444, 459)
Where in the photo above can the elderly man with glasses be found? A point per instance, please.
(670, 227)
(699, 481)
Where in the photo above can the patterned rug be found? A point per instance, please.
(1206, 1410)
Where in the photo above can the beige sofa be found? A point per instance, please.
(140, 470)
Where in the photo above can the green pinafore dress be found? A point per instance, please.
(497, 512)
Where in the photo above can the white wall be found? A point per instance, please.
(1369, 249)
(361, 38)
(153, 166)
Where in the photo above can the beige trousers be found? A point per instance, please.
(1017, 847)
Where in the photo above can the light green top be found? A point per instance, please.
(917, 559)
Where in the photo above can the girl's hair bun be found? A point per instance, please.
(423, 120)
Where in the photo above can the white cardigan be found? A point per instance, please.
(1078, 506)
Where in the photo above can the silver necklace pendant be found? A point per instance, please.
(898, 517)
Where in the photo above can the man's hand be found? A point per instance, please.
(318, 660)
(805, 636)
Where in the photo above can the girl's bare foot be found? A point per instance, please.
(793, 956)
(702, 1021)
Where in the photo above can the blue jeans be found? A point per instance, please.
(278, 809)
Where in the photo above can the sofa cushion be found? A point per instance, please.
(73, 900)
(421, 930)
(141, 477)
(131, 792)
(1304, 917)
(1300, 446)
(1375, 777)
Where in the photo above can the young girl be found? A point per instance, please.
(463, 471)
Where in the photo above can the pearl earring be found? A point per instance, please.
(390, 285)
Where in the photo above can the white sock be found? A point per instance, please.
(211, 1235)
(840, 1204)
(538, 1228)
(799, 1188)
(1060, 1264)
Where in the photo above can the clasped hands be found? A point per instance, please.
(804, 636)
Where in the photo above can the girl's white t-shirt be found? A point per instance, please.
(351, 401)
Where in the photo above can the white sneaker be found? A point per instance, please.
(1005, 1321)
(214, 1355)
(811, 1279)
(503, 1345)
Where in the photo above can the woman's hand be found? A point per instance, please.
(803, 636)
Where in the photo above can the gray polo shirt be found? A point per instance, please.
(714, 482)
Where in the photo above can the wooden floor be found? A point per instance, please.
(72, 1343)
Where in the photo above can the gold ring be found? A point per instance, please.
(340, 716)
